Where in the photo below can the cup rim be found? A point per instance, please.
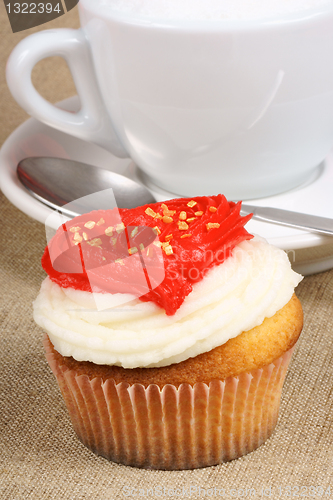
(303, 16)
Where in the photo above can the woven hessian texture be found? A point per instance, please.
(40, 455)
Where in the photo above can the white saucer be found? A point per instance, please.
(33, 138)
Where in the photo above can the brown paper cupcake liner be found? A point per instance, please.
(173, 428)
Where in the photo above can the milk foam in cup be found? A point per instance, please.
(204, 96)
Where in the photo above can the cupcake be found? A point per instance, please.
(169, 329)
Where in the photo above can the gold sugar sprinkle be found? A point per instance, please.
(135, 231)
(212, 225)
(182, 226)
(168, 250)
(120, 227)
(182, 215)
(150, 211)
(103, 258)
(132, 250)
(142, 247)
(198, 213)
(90, 224)
(157, 243)
(191, 203)
(166, 210)
(167, 219)
(85, 236)
(164, 207)
(168, 237)
(156, 230)
(158, 216)
(120, 261)
(108, 231)
(96, 242)
(75, 229)
(188, 235)
(150, 252)
(190, 219)
(100, 222)
(114, 241)
(212, 209)
(77, 237)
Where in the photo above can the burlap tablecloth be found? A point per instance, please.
(40, 456)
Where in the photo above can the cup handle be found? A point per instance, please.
(91, 123)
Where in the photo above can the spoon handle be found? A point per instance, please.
(310, 223)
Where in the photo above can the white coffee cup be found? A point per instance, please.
(238, 106)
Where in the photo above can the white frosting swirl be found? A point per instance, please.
(252, 284)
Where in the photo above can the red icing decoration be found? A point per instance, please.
(191, 258)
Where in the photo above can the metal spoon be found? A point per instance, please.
(310, 223)
(57, 182)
